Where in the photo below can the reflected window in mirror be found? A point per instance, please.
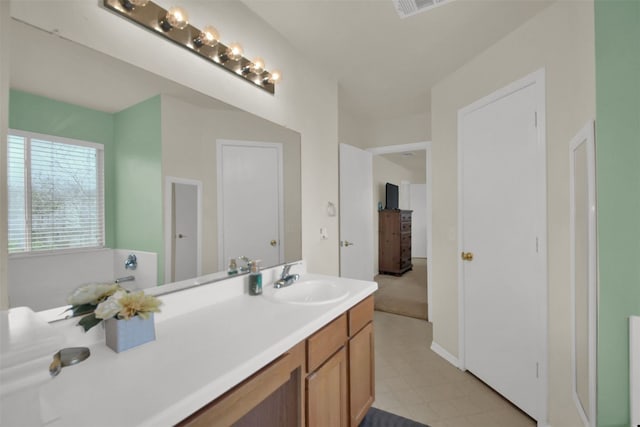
(55, 193)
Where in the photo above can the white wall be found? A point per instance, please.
(305, 101)
(189, 135)
(560, 39)
(398, 130)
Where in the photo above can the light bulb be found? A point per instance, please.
(257, 66)
(208, 36)
(176, 17)
(234, 51)
(276, 77)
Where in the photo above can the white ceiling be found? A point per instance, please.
(386, 65)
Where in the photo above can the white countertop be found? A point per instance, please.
(209, 338)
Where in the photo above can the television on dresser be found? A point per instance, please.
(391, 199)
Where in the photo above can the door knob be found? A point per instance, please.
(467, 256)
(273, 242)
(346, 243)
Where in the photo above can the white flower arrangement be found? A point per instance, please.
(100, 301)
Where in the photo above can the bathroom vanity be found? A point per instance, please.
(325, 380)
(223, 357)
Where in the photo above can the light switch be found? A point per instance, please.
(324, 234)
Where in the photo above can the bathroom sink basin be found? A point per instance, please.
(308, 292)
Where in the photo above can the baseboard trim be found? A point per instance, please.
(437, 349)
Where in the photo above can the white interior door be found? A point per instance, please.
(250, 197)
(356, 213)
(502, 226)
(185, 242)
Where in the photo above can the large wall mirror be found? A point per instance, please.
(583, 273)
(189, 181)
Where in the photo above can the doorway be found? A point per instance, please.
(183, 207)
(502, 240)
(410, 294)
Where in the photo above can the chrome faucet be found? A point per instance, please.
(244, 268)
(131, 262)
(286, 279)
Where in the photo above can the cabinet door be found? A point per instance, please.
(361, 374)
(327, 397)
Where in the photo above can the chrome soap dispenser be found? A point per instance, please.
(255, 278)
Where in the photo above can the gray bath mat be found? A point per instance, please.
(378, 418)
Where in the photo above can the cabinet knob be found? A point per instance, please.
(273, 242)
(346, 243)
(467, 256)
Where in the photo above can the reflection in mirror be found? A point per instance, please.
(583, 272)
(162, 186)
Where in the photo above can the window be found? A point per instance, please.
(55, 193)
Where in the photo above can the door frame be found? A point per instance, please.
(220, 169)
(168, 223)
(536, 78)
(417, 146)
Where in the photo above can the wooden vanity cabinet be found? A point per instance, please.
(342, 389)
(272, 397)
(325, 380)
(327, 393)
(361, 361)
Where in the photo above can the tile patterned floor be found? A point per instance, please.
(414, 382)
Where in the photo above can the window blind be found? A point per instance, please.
(56, 198)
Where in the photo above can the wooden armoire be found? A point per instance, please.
(394, 241)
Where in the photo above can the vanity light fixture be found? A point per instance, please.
(173, 24)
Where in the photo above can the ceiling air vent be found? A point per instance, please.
(407, 8)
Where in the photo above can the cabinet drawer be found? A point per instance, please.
(405, 226)
(405, 216)
(325, 342)
(405, 240)
(405, 254)
(360, 315)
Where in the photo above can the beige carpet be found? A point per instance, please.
(405, 295)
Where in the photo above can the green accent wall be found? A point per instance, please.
(617, 30)
(138, 179)
(132, 140)
(38, 114)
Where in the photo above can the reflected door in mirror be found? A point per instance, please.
(250, 198)
(185, 230)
